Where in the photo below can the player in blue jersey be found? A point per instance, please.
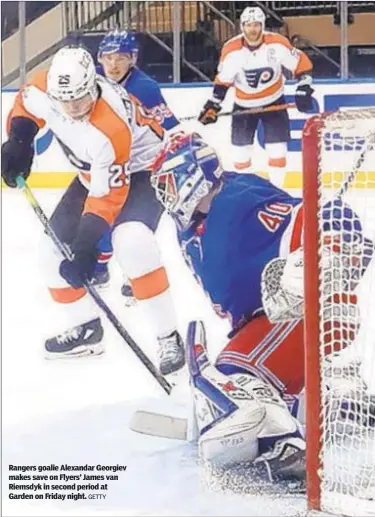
(117, 56)
(242, 238)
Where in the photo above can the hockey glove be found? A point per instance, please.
(81, 269)
(17, 153)
(16, 160)
(209, 113)
(303, 95)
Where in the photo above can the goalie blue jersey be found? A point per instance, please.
(243, 231)
(148, 92)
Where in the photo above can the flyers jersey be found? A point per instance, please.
(257, 74)
(154, 118)
(99, 145)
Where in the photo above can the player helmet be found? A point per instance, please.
(185, 171)
(253, 15)
(72, 75)
(122, 42)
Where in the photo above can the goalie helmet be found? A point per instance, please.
(122, 42)
(72, 75)
(185, 171)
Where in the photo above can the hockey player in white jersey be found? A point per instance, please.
(95, 123)
(253, 63)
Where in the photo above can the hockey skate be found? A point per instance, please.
(286, 461)
(79, 341)
(127, 292)
(171, 353)
(101, 276)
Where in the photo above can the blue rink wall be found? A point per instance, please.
(52, 169)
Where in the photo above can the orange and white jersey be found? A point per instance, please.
(99, 145)
(257, 74)
(148, 138)
(148, 134)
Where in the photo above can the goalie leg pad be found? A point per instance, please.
(228, 417)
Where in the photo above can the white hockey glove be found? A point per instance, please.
(282, 288)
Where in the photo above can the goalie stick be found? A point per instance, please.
(66, 252)
(160, 425)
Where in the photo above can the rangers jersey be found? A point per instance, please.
(256, 74)
(249, 223)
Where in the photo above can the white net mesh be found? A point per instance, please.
(346, 215)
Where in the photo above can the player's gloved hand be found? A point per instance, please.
(84, 247)
(16, 160)
(303, 94)
(79, 270)
(209, 113)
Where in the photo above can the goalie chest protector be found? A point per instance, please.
(228, 249)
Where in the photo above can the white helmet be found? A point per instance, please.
(72, 74)
(253, 15)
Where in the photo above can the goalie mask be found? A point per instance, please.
(186, 171)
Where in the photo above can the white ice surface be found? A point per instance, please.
(77, 411)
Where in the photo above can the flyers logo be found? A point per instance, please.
(259, 76)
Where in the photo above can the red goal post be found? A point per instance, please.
(339, 167)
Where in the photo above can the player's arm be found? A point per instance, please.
(17, 152)
(223, 81)
(109, 187)
(157, 106)
(297, 62)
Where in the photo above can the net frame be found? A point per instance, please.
(312, 178)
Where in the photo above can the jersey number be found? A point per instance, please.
(118, 176)
(274, 215)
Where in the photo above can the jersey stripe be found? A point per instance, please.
(150, 285)
(108, 122)
(232, 45)
(267, 92)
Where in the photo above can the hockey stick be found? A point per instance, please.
(66, 252)
(160, 425)
(250, 111)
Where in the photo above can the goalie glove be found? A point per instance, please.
(282, 288)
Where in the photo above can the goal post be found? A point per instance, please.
(338, 152)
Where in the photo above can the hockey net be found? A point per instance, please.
(339, 211)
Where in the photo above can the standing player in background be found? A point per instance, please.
(117, 55)
(252, 62)
(95, 123)
(242, 236)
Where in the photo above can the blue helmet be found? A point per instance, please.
(186, 170)
(123, 42)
